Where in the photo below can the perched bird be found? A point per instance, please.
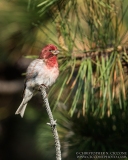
(41, 71)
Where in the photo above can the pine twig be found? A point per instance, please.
(52, 122)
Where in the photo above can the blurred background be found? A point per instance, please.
(89, 99)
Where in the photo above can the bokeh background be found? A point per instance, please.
(78, 27)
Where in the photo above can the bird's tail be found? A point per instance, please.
(21, 109)
(27, 96)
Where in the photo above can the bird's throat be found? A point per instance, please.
(52, 62)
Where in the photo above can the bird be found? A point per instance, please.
(42, 71)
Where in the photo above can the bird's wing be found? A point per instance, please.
(32, 71)
(33, 68)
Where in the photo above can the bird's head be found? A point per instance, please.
(48, 52)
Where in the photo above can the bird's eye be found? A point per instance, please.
(50, 50)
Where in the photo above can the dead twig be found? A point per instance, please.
(52, 122)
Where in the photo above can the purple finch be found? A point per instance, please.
(41, 71)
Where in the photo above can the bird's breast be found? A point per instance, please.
(47, 76)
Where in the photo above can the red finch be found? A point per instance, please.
(41, 71)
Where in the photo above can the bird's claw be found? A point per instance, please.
(42, 85)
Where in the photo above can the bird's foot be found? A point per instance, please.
(42, 85)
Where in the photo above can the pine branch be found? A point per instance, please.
(92, 53)
(52, 122)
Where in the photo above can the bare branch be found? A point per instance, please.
(52, 122)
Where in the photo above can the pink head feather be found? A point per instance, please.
(49, 53)
(46, 51)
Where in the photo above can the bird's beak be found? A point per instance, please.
(55, 52)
